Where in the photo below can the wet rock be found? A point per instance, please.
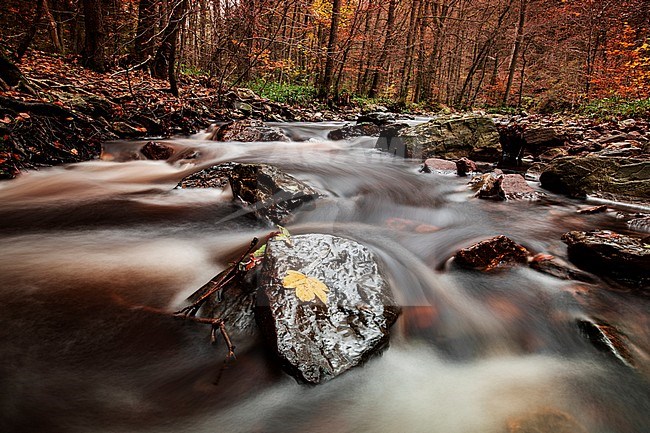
(535, 171)
(465, 166)
(125, 130)
(378, 118)
(488, 185)
(451, 137)
(544, 136)
(552, 153)
(437, 165)
(157, 151)
(641, 224)
(389, 141)
(212, 177)
(544, 421)
(606, 338)
(618, 256)
(497, 252)
(486, 180)
(515, 187)
(272, 194)
(247, 131)
(557, 268)
(318, 340)
(351, 131)
(593, 210)
(235, 304)
(184, 156)
(579, 176)
(507, 187)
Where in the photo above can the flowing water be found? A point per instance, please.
(85, 247)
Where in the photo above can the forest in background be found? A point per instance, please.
(544, 55)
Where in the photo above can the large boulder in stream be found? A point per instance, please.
(621, 257)
(449, 137)
(615, 177)
(323, 305)
(247, 131)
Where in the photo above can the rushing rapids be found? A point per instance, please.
(93, 252)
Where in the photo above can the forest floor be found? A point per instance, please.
(71, 110)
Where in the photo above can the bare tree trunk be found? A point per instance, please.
(94, 56)
(164, 64)
(146, 31)
(390, 23)
(516, 49)
(55, 34)
(29, 36)
(405, 72)
(326, 81)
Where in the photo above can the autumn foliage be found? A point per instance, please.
(456, 52)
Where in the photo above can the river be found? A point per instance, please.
(86, 246)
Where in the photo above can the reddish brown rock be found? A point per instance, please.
(478, 182)
(492, 253)
(515, 187)
(507, 187)
(465, 166)
(437, 165)
(156, 151)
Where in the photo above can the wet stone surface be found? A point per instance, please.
(351, 131)
(248, 131)
(273, 194)
(621, 257)
(157, 151)
(489, 254)
(270, 193)
(315, 340)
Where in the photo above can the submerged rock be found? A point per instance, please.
(452, 137)
(618, 256)
(351, 131)
(544, 421)
(555, 267)
(157, 151)
(489, 254)
(247, 131)
(579, 176)
(606, 338)
(345, 323)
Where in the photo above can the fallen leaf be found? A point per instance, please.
(307, 288)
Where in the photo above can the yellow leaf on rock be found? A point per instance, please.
(307, 288)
